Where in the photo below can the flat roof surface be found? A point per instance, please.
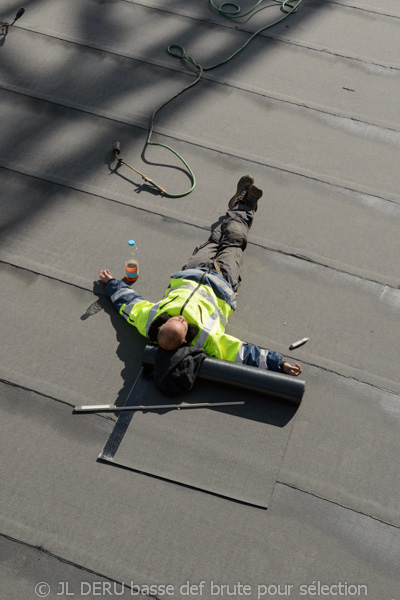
(261, 502)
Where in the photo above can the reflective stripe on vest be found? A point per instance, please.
(152, 314)
(206, 330)
(208, 297)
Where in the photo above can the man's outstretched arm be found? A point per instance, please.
(120, 293)
(250, 354)
(232, 349)
(127, 302)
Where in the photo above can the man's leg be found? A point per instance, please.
(225, 245)
(224, 248)
(235, 230)
(233, 242)
(202, 257)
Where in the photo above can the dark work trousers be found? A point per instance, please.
(225, 245)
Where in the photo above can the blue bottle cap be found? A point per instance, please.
(131, 242)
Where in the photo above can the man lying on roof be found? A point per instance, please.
(201, 297)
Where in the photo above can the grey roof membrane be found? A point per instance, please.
(275, 498)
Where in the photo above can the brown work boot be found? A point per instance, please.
(242, 187)
(253, 195)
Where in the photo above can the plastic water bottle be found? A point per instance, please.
(132, 264)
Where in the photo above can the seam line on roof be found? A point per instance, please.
(80, 287)
(303, 105)
(107, 198)
(361, 8)
(358, 512)
(321, 264)
(227, 24)
(115, 464)
(295, 255)
(72, 564)
(27, 389)
(327, 370)
(210, 77)
(213, 80)
(43, 395)
(191, 142)
(277, 37)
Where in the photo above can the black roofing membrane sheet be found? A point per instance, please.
(233, 451)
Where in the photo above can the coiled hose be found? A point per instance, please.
(231, 10)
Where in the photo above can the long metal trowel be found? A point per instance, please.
(113, 408)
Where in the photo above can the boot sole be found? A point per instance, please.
(247, 181)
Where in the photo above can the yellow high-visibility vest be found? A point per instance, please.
(202, 308)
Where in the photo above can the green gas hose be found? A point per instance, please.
(231, 10)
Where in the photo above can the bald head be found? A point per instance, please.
(172, 334)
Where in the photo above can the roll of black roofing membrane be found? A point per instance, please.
(252, 379)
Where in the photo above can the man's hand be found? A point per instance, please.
(105, 276)
(289, 370)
